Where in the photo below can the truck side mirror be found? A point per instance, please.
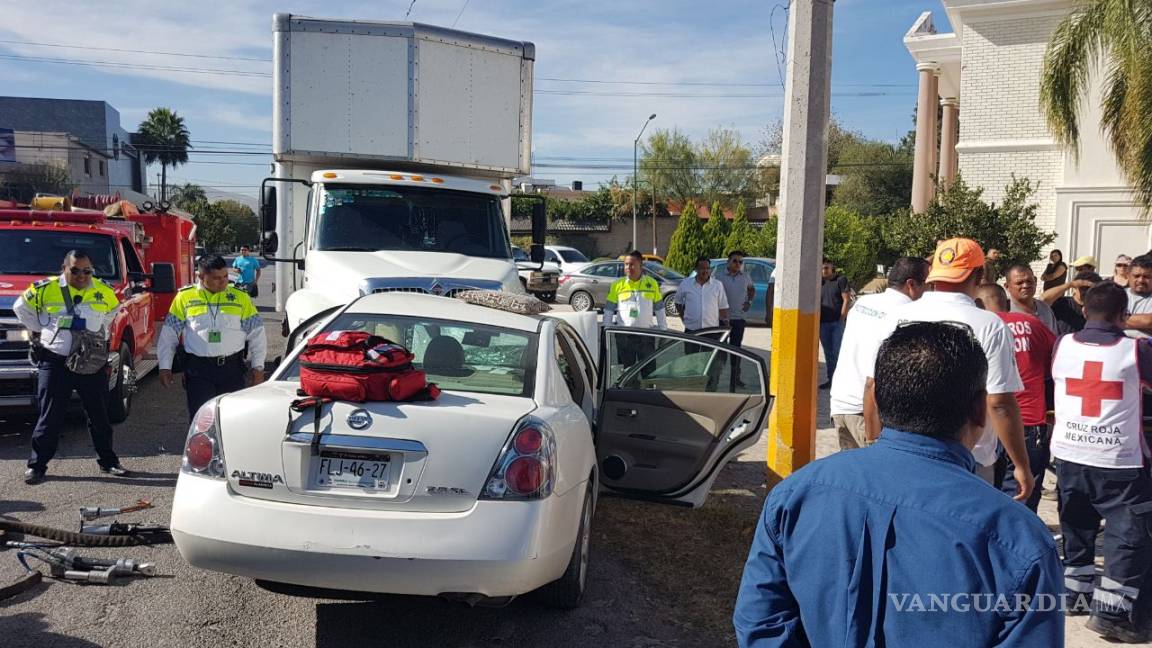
(270, 244)
(539, 231)
(268, 208)
(163, 278)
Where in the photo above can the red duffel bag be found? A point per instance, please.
(357, 366)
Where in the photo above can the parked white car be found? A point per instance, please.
(569, 259)
(482, 495)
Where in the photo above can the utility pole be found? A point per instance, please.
(800, 242)
(635, 171)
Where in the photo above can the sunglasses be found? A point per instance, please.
(76, 272)
(1121, 265)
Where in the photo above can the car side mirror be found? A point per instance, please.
(163, 278)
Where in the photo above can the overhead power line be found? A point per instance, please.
(135, 51)
(134, 66)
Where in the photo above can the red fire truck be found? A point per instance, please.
(143, 254)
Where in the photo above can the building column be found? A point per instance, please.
(923, 167)
(948, 132)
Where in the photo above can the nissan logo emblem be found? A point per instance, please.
(359, 419)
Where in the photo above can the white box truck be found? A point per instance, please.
(394, 147)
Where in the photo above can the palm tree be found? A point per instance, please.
(1113, 37)
(163, 138)
(188, 196)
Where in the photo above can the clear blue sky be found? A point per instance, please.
(665, 41)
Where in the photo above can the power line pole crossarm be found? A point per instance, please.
(796, 321)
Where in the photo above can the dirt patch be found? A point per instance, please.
(693, 556)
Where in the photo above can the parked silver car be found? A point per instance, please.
(587, 289)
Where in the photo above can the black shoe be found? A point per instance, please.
(1119, 630)
(33, 476)
(116, 471)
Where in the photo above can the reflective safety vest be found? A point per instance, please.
(635, 300)
(213, 324)
(42, 307)
(1098, 404)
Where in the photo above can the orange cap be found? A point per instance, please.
(955, 259)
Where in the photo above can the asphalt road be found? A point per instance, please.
(188, 607)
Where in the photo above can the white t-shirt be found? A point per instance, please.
(864, 331)
(702, 303)
(993, 334)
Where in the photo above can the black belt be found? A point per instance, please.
(218, 361)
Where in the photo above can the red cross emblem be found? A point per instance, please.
(1092, 390)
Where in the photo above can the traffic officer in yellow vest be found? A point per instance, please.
(1102, 464)
(52, 310)
(216, 321)
(632, 301)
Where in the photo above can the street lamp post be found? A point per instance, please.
(635, 173)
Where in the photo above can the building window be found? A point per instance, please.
(102, 168)
(88, 166)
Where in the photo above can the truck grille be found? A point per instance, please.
(17, 388)
(425, 285)
(15, 351)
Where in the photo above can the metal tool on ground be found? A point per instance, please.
(66, 564)
(152, 534)
(96, 512)
(146, 533)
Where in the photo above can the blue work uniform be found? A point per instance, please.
(898, 544)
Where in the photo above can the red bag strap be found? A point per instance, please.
(316, 404)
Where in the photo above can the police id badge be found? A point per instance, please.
(213, 337)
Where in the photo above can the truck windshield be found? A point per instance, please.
(30, 252)
(369, 218)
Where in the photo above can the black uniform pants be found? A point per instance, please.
(1036, 441)
(1122, 497)
(54, 388)
(207, 378)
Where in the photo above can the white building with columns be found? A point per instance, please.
(985, 74)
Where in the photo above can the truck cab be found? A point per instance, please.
(140, 255)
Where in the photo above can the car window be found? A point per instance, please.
(662, 273)
(573, 256)
(650, 362)
(551, 257)
(760, 272)
(458, 356)
(607, 270)
(518, 254)
(569, 369)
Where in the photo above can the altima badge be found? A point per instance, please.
(359, 419)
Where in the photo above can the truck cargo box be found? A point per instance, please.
(401, 95)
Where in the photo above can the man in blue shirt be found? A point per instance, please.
(249, 268)
(899, 543)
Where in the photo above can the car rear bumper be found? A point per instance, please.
(494, 549)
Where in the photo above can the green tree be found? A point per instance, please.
(687, 241)
(668, 160)
(767, 235)
(1114, 37)
(851, 241)
(242, 222)
(715, 232)
(961, 211)
(163, 138)
(213, 230)
(188, 197)
(726, 168)
(24, 181)
(875, 178)
(742, 236)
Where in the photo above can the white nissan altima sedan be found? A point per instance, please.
(484, 494)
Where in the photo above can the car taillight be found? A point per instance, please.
(524, 470)
(202, 455)
(563, 278)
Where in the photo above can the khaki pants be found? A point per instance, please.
(850, 430)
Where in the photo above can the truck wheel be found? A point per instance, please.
(567, 592)
(582, 301)
(120, 396)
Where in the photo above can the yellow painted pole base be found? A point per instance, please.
(795, 361)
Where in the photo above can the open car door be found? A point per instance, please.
(674, 409)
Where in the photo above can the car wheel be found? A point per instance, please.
(670, 305)
(582, 301)
(567, 592)
(120, 397)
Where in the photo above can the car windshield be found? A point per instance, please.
(459, 356)
(28, 252)
(572, 256)
(518, 254)
(370, 218)
(664, 273)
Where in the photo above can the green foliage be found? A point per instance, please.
(667, 162)
(742, 236)
(727, 168)
(688, 241)
(851, 241)
(876, 178)
(188, 197)
(163, 138)
(767, 235)
(22, 182)
(959, 211)
(1117, 33)
(715, 232)
(242, 222)
(213, 230)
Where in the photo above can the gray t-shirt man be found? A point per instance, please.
(736, 289)
(1043, 313)
(1138, 305)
